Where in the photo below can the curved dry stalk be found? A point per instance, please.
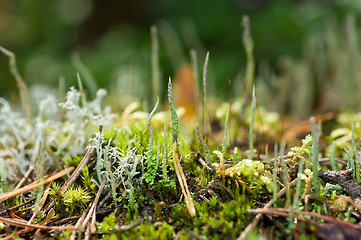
(286, 212)
(23, 89)
(93, 205)
(182, 181)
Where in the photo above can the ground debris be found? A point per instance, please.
(344, 179)
(325, 231)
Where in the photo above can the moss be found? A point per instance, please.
(162, 231)
(108, 223)
(136, 160)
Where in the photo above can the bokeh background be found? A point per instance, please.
(307, 53)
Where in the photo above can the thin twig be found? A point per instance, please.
(255, 221)
(182, 181)
(17, 206)
(285, 213)
(109, 194)
(27, 174)
(26, 230)
(83, 162)
(24, 224)
(68, 219)
(77, 171)
(204, 164)
(34, 185)
(79, 223)
(18, 233)
(93, 205)
(43, 199)
(204, 92)
(93, 227)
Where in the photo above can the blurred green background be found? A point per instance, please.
(307, 52)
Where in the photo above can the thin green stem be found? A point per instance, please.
(248, 45)
(23, 89)
(173, 112)
(332, 157)
(284, 174)
(82, 93)
(164, 163)
(155, 62)
(204, 92)
(357, 157)
(194, 59)
(315, 162)
(274, 175)
(89, 80)
(351, 162)
(224, 147)
(204, 144)
(297, 196)
(151, 139)
(254, 103)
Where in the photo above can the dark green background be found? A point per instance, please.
(111, 36)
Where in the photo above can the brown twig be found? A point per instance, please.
(79, 223)
(18, 233)
(182, 180)
(109, 194)
(217, 183)
(93, 205)
(43, 199)
(83, 162)
(285, 213)
(27, 174)
(326, 161)
(34, 185)
(17, 206)
(68, 219)
(204, 164)
(26, 230)
(24, 224)
(255, 221)
(23, 210)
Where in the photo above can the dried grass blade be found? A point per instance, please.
(37, 184)
(32, 225)
(183, 182)
(23, 89)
